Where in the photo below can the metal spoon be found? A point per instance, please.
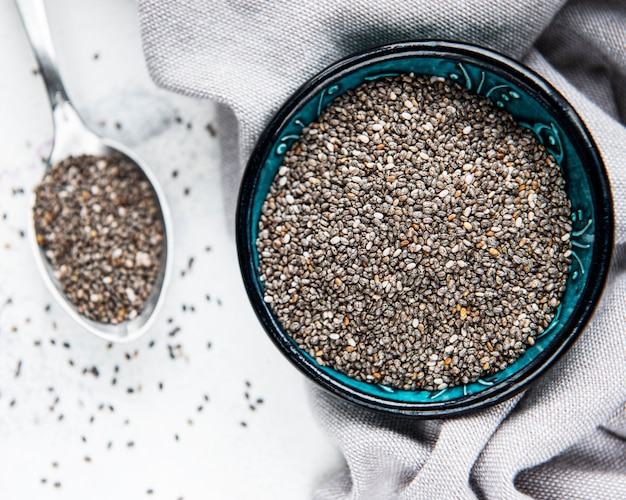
(73, 138)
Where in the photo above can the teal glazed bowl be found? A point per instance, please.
(534, 104)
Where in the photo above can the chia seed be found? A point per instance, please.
(99, 225)
(415, 236)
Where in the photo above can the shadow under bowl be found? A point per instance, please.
(534, 104)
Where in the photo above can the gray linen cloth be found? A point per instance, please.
(566, 437)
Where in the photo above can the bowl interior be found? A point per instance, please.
(528, 104)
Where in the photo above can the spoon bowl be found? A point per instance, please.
(73, 138)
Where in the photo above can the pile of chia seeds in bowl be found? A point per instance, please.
(415, 236)
(98, 223)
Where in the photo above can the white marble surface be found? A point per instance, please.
(65, 433)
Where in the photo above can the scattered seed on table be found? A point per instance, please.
(395, 243)
(54, 406)
(98, 222)
(211, 129)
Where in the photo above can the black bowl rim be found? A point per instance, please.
(573, 126)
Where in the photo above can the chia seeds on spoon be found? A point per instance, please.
(415, 236)
(99, 225)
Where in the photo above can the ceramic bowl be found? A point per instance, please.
(534, 104)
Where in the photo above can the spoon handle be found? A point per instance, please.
(35, 20)
(71, 135)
